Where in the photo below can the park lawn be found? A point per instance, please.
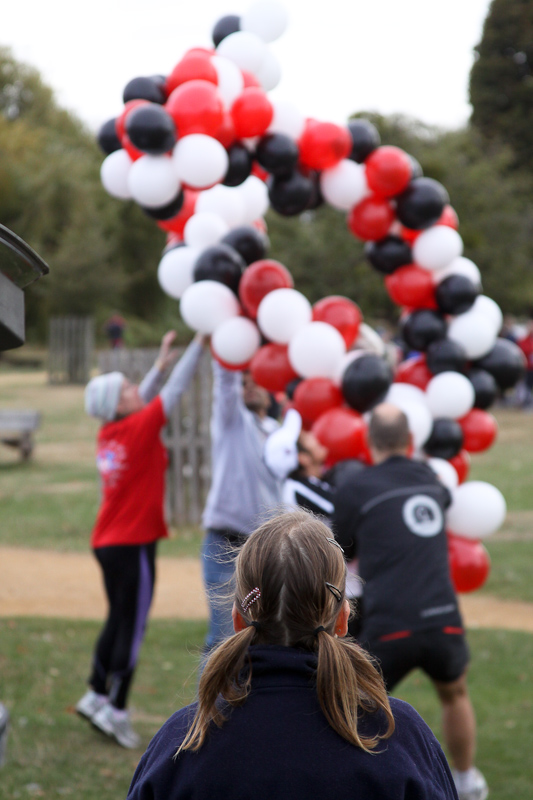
(52, 753)
(51, 501)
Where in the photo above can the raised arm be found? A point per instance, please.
(153, 381)
(181, 375)
(227, 395)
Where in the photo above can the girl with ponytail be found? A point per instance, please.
(288, 707)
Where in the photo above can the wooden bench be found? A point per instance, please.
(17, 429)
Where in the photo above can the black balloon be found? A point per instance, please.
(220, 263)
(317, 199)
(107, 137)
(151, 129)
(168, 211)
(250, 243)
(149, 89)
(416, 168)
(456, 294)
(366, 381)
(365, 139)
(423, 327)
(445, 355)
(505, 362)
(446, 439)
(224, 27)
(421, 204)
(240, 165)
(485, 387)
(277, 153)
(291, 387)
(290, 195)
(388, 254)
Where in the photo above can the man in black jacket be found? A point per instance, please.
(391, 516)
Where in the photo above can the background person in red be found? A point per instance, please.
(132, 461)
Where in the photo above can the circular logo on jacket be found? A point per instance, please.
(423, 515)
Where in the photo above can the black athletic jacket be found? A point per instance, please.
(392, 517)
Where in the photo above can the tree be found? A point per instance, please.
(501, 80)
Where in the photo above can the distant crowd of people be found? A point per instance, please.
(289, 703)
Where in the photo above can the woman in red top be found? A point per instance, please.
(132, 461)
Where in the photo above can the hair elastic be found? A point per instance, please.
(250, 598)
(317, 630)
(256, 625)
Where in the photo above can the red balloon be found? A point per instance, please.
(414, 371)
(469, 563)
(449, 218)
(461, 464)
(388, 170)
(177, 224)
(342, 432)
(196, 107)
(408, 234)
(226, 133)
(479, 430)
(323, 144)
(250, 79)
(315, 396)
(259, 172)
(196, 65)
(411, 286)
(258, 280)
(371, 219)
(342, 314)
(120, 122)
(270, 367)
(252, 113)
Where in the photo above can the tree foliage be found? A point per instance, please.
(501, 81)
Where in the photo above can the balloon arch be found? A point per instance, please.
(205, 152)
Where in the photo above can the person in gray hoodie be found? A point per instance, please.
(243, 489)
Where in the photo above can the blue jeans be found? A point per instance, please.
(218, 566)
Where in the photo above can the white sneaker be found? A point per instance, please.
(117, 725)
(90, 703)
(472, 786)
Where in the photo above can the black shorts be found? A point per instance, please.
(442, 653)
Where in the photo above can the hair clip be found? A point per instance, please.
(334, 591)
(335, 542)
(250, 598)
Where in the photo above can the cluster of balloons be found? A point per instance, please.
(205, 152)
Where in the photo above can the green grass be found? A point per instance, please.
(52, 753)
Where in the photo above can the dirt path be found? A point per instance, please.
(47, 584)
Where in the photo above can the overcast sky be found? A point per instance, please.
(338, 56)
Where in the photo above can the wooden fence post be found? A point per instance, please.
(70, 350)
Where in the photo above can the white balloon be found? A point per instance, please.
(478, 509)
(207, 304)
(489, 309)
(316, 350)
(114, 174)
(344, 185)
(236, 340)
(445, 472)
(450, 394)
(245, 49)
(282, 313)
(436, 247)
(199, 160)
(152, 181)
(254, 195)
(287, 119)
(204, 230)
(175, 271)
(406, 393)
(459, 266)
(230, 79)
(474, 332)
(224, 201)
(269, 75)
(265, 18)
(345, 361)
